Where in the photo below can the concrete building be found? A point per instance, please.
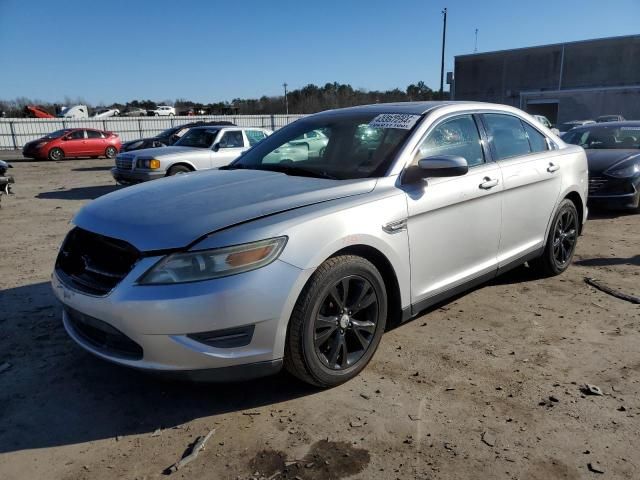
(565, 81)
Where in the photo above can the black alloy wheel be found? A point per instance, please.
(565, 236)
(561, 241)
(346, 322)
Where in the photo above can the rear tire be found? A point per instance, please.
(337, 322)
(561, 241)
(111, 152)
(177, 170)
(55, 154)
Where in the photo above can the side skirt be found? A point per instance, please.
(414, 309)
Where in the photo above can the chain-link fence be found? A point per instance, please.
(15, 132)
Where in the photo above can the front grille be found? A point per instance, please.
(124, 162)
(93, 263)
(597, 183)
(102, 336)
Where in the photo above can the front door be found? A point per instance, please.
(76, 144)
(531, 184)
(454, 222)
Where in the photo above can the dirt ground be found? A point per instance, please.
(484, 386)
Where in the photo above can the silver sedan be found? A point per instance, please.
(304, 260)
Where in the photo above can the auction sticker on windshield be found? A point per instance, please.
(394, 120)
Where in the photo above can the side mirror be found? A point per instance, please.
(438, 166)
(216, 147)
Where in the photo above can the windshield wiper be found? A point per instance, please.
(289, 169)
(282, 168)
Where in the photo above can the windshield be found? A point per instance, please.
(170, 132)
(568, 126)
(56, 134)
(342, 146)
(197, 138)
(605, 138)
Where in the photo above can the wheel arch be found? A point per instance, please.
(384, 266)
(577, 201)
(181, 164)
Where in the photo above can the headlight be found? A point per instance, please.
(148, 163)
(624, 172)
(208, 264)
(40, 144)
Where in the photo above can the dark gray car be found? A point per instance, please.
(613, 153)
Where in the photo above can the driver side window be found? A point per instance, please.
(457, 136)
(77, 135)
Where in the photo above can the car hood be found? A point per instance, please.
(176, 211)
(173, 152)
(601, 160)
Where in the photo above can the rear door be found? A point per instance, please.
(531, 176)
(231, 144)
(254, 136)
(96, 143)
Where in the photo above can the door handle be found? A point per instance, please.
(553, 168)
(488, 183)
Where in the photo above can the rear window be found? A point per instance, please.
(254, 136)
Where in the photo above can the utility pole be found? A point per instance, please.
(444, 37)
(475, 48)
(286, 101)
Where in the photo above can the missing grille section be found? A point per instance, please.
(93, 263)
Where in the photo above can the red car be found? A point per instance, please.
(37, 112)
(73, 142)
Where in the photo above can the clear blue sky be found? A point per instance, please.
(106, 51)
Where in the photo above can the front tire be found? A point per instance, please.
(561, 241)
(337, 322)
(177, 170)
(55, 154)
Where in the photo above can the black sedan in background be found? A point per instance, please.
(166, 138)
(613, 153)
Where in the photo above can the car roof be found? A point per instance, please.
(220, 127)
(413, 108)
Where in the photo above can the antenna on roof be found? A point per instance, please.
(475, 48)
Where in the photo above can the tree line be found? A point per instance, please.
(308, 99)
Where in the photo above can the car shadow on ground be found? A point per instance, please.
(79, 193)
(608, 262)
(603, 214)
(54, 393)
(93, 169)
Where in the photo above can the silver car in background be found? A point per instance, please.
(272, 261)
(200, 148)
